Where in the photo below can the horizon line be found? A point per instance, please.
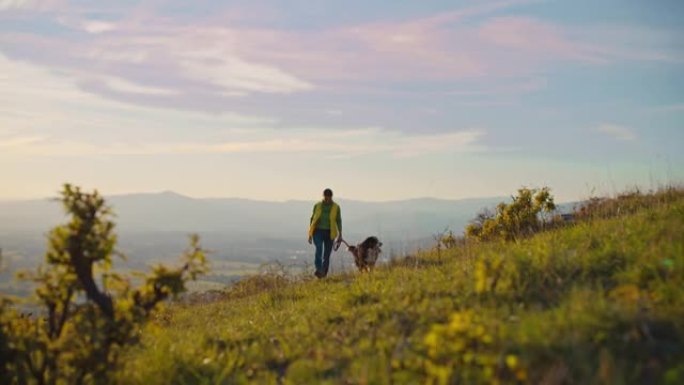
(174, 193)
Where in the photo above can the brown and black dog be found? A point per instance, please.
(365, 253)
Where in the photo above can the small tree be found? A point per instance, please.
(89, 312)
(474, 229)
(449, 240)
(525, 215)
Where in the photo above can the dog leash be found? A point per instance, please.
(338, 243)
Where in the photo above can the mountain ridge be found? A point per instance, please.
(170, 210)
(174, 194)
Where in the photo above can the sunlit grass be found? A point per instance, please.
(598, 302)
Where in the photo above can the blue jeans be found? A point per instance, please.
(324, 246)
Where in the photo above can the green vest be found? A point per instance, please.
(318, 211)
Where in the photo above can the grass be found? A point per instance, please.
(597, 302)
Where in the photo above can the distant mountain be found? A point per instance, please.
(172, 212)
(153, 227)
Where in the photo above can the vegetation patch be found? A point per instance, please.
(597, 299)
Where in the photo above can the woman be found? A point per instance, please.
(325, 226)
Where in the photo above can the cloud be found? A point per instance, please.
(18, 142)
(98, 26)
(36, 101)
(15, 4)
(47, 115)
(617, 132)
(542, 40)
(30, 5)
(463, 141)
(202, 60)
(235, 75)
(450, 47)
(209, 55)
(501, 88)
(125, 86)
(345, 144)
(216, 58)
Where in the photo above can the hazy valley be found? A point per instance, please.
(241, 234)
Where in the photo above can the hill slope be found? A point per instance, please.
(598, 302)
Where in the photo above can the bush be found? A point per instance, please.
(88, 312)
(524, 216)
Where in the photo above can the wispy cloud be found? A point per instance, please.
(125, 86)
(87, 25)
(36, 101)
(48, 115)
(98, 26)
(526, 36)
(203, 60)
(20, 142)
(616, 131)
(234, 74)
(358, 142)
(15, 4)
(501, 88)
(33, 5)
(213, 60)
(444, 47)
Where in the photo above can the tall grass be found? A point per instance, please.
(600, 301)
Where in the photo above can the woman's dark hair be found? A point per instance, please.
(327, 192)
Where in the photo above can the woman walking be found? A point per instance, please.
(324, 228)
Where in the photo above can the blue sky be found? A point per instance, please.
(378, 100)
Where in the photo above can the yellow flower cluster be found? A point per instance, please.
(486, 272)
(467, 348)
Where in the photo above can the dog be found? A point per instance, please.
(365, 253)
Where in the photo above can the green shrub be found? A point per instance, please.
(524, 216)
(88, 313)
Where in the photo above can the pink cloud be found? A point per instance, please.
(441, 48)
(538, 39)
(218, 58)
(503, 88)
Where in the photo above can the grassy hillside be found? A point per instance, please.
(598, 302)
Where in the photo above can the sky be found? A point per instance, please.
(378, 100)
